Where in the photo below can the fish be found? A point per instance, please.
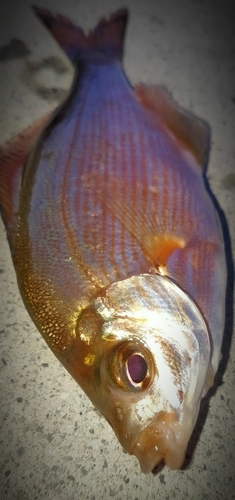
(117, 245)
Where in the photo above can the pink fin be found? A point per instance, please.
(12, 159)
(159, 247)
(105, 41)
(192, 133)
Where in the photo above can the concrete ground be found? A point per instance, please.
(53, 443)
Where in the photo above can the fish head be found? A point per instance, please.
(150, 358)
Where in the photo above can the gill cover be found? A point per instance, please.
(154, 369)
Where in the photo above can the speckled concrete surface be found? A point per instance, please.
(53, 443)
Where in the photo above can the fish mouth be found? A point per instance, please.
(159, 443)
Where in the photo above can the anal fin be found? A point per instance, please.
(191, 133)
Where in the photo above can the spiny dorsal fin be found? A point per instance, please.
(13, 155)
(192, 133)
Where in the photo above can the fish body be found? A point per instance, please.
(117, 245)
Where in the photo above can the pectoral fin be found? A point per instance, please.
(156, 242)
(159, 247)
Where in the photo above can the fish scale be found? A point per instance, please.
(117, 246)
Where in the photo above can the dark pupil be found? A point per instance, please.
(137, 368)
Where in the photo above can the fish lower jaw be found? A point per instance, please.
(159, 443)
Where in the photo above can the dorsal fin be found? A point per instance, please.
(192, 133)
(105, 41)
(13, 155)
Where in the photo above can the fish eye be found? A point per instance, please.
(137, 368)
(130, 367)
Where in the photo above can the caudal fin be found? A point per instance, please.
(105, 41)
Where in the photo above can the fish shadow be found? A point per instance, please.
(228, 330)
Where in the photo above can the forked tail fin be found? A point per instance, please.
(104, 41)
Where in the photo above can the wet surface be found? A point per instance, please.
(13, 50)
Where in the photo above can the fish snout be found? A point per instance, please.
(158, 443)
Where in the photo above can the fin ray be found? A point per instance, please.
(105, 41)
(156, 241)
(192, 133)
(13, 155)
(157, 245)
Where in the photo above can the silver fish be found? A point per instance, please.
(117, 246)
